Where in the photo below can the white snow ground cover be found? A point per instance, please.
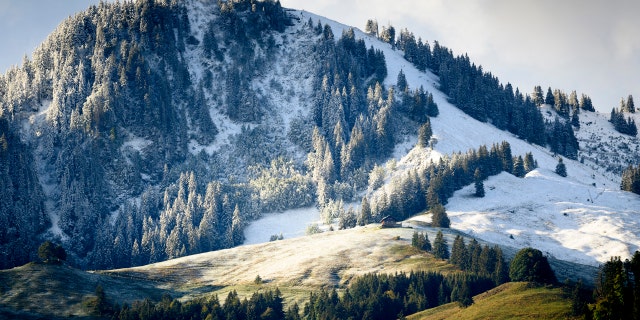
(560, 216)
(583, 218)
(291, 224)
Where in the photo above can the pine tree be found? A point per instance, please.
(630, 106)
(477, 176)
(440, 247)
(459, 254)
(424, 134)
(402, 82)
(537, 96)
(561, 169)
(364, 217)
(371, 27)
(439, 217)
(529, 162)
(549, 98)
(518, 167)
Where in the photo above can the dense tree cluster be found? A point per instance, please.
(49, 252)
(22, 201)
(391, 296)
(111, 147)
(617, 291)
(428, 187)
(482, 96)
(622, 125)
(356, 119)
(482, 260)
(421, 241)
(263, 305)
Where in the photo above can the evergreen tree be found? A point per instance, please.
(530, 265)
(424, 134)
(479, 185)
(439, 216)
(371, 27)
(364, 217)
(529, 163)
(561, 169)
(586, 104)
(537, 96)
(549, 98)
(459, 255)
(630, 106)
(401, 83)
(432, 107)
(421, 241)
(440, 247)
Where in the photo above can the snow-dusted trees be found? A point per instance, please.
(561, 168)
(429, 187)
(424, 134)
(622, 125)
(22, 209)
(281, 186)
(371, 27)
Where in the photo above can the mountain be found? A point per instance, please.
(147, 131)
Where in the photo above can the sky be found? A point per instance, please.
(592, 47)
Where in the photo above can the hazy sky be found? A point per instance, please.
(589, 46)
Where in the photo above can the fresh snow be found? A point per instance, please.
(583, 218)
(291, 224)
(560, 216)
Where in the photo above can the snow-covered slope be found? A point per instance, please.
(583, 218)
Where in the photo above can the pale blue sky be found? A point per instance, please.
(588, 46)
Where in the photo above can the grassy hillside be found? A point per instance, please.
(59, 290)
(295, 266)
(515, 300)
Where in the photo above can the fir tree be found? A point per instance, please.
(561, 169)
(424, 134)
(459, 255)
(549, 98)
(518, 167)
(479, 185)
(402, 82)
(439, 216)
(440, 247)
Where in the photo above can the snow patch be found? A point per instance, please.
(291, 223)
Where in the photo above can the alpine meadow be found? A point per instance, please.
(201, 159)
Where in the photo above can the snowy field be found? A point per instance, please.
(291, 224)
